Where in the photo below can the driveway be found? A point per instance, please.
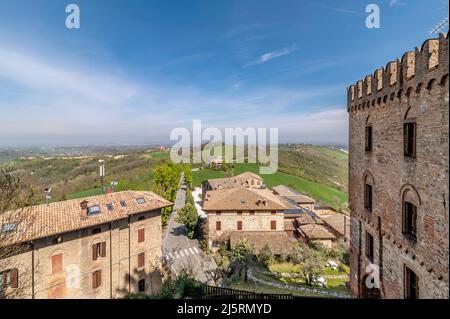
(182, 253)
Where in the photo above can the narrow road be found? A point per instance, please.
(182, 253)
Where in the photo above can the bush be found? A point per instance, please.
(265, 256)
(344, 268)
(184, 286)
(203, 245)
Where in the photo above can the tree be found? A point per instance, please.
(15, 196)
(265, 256)
(166, 183)
(189, 218)
(240, 255)
(311, 262)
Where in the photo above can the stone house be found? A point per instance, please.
(98, 247)
(242, 210)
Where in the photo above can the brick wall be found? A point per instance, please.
(415, 88)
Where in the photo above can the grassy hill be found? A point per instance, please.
(320, 172)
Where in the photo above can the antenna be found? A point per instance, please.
(48, 194)
(102, 173)
(441, 25)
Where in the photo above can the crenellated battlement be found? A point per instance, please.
(421, 67)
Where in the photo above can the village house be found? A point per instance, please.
(244, 212)
(246, 179)
(398, 176)
(294, 197)
(98, 247)
(311, 228)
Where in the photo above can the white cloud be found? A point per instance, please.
(266, 57)
(56, 103)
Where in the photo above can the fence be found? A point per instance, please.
(210, 292)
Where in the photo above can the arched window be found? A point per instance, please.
(368, 191)
(368, 135)
(410, 203)
(409, 134)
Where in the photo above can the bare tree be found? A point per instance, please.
(15, 196)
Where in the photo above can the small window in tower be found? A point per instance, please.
(411, 284)
(409, 137)
(368, 147)
(369, 246)
(410, 219)
(368, 197)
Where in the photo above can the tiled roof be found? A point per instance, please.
(284, 190)
(306, 218)
(278, 241)
(315, 231)
(301, 199)
(60, 217)
(241, 199)
(338, 222)
(234, 181)
(289, 225)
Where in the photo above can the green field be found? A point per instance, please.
(203, 174)
(86, 193)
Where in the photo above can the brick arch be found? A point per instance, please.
(444, 80)
(430, 84)
(368, 178)
(410, 113)
(409, 192)
(419, 88)
(368, 120)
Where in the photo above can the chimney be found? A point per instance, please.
(84, 205)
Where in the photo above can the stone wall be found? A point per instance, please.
(120, 273)
(413, 89)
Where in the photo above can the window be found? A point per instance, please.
(409, 219)
(409, 139)
(273, 225)
(239, 225)
(96, 279)
(97, 230)
(369, 246)
(98, 250)
(9, 228)
(141, 285)
(368, 197)
(123, 203)
(141, 260)
(218, 225)
(273, 212)
(368, 147)
(141, 235)
(140, 201)
(110, 207)
(411, 284)
(9, 278)
(93, 210)
(57, 263)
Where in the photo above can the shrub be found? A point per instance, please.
(344, 268)
(265, 256)
(203, 244)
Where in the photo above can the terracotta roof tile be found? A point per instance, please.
(315, 231)
(60, 217)
(242, 199)
(278, 241)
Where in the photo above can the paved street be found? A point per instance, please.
(182, 252)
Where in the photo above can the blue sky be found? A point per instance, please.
(137, 69)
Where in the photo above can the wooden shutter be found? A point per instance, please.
(103, 249)
(14, 278)
(141, 235)
(218, 225)
(239, 225)
(57, 263)
(141, 260)
(405, 138)
(94, 252)
(273, 224)
(96, 279)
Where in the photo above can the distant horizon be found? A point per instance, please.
(134, 71)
